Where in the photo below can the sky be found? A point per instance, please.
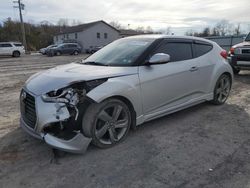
(180, 15)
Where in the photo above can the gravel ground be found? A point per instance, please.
(203, 146)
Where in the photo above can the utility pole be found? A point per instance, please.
(21, 7)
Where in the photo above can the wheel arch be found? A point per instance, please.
(230, 76)
(16, 51)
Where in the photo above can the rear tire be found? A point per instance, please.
(58, 53)
(107, 123)
(75, 52)
(16, 54)
(222, 89)
(235, 70)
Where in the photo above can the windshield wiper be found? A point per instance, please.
(93, 63)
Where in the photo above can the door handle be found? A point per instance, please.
(192, 69)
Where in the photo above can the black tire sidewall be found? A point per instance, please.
(90, 117)
(16, 54)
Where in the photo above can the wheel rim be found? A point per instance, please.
(223, 89)
(76, 53)
(111, 124)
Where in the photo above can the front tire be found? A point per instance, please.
(58, 53)
(107, 123)
(222, 89)
(16, 54)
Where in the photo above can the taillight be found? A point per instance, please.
(231, 50)
(224, 54)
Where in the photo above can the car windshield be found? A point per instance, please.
(52, 46)
(122, 52)
(248, 37)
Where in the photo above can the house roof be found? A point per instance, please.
(130, 32)
(82, 27)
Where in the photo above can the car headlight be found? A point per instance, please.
(89, 85)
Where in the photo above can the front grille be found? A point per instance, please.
(28, 109)
(245, 51)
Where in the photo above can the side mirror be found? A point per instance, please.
(159, 58)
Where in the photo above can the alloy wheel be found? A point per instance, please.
(223, 89)
(111, 124)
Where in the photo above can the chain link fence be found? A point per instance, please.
(226, 42)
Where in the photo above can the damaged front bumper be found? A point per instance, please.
(37, 116)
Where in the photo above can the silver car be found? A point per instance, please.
(130, 81)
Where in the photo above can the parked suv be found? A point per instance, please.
(14, 49)
(65, 48)
(239, 55)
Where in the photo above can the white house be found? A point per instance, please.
(88, 35)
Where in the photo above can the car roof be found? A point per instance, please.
(161, 36)
(69, 43)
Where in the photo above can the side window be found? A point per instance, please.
(73, 45)
(6, 45)
(18, 44)
(178, 51)
(98, 35)
(201, 48)
(105, 35)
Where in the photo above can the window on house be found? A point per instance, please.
(98, 35)
(105, 35)
(76, 36)
(67, 36)
(64, 36)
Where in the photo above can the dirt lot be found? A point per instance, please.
(204, 146)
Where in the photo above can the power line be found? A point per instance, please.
(21, 7)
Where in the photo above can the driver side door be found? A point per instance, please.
(168, 85)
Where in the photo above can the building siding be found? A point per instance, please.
(88, 37)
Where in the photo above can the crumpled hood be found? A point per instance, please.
(65, 75)
(245, 43)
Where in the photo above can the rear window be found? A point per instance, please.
(201, 48)
(5, 45)
(18, 44)
(178, 51)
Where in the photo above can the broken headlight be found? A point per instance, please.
(73, 94)
(67, 95)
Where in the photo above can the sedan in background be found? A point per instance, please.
(45, 50)
(128, 82)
